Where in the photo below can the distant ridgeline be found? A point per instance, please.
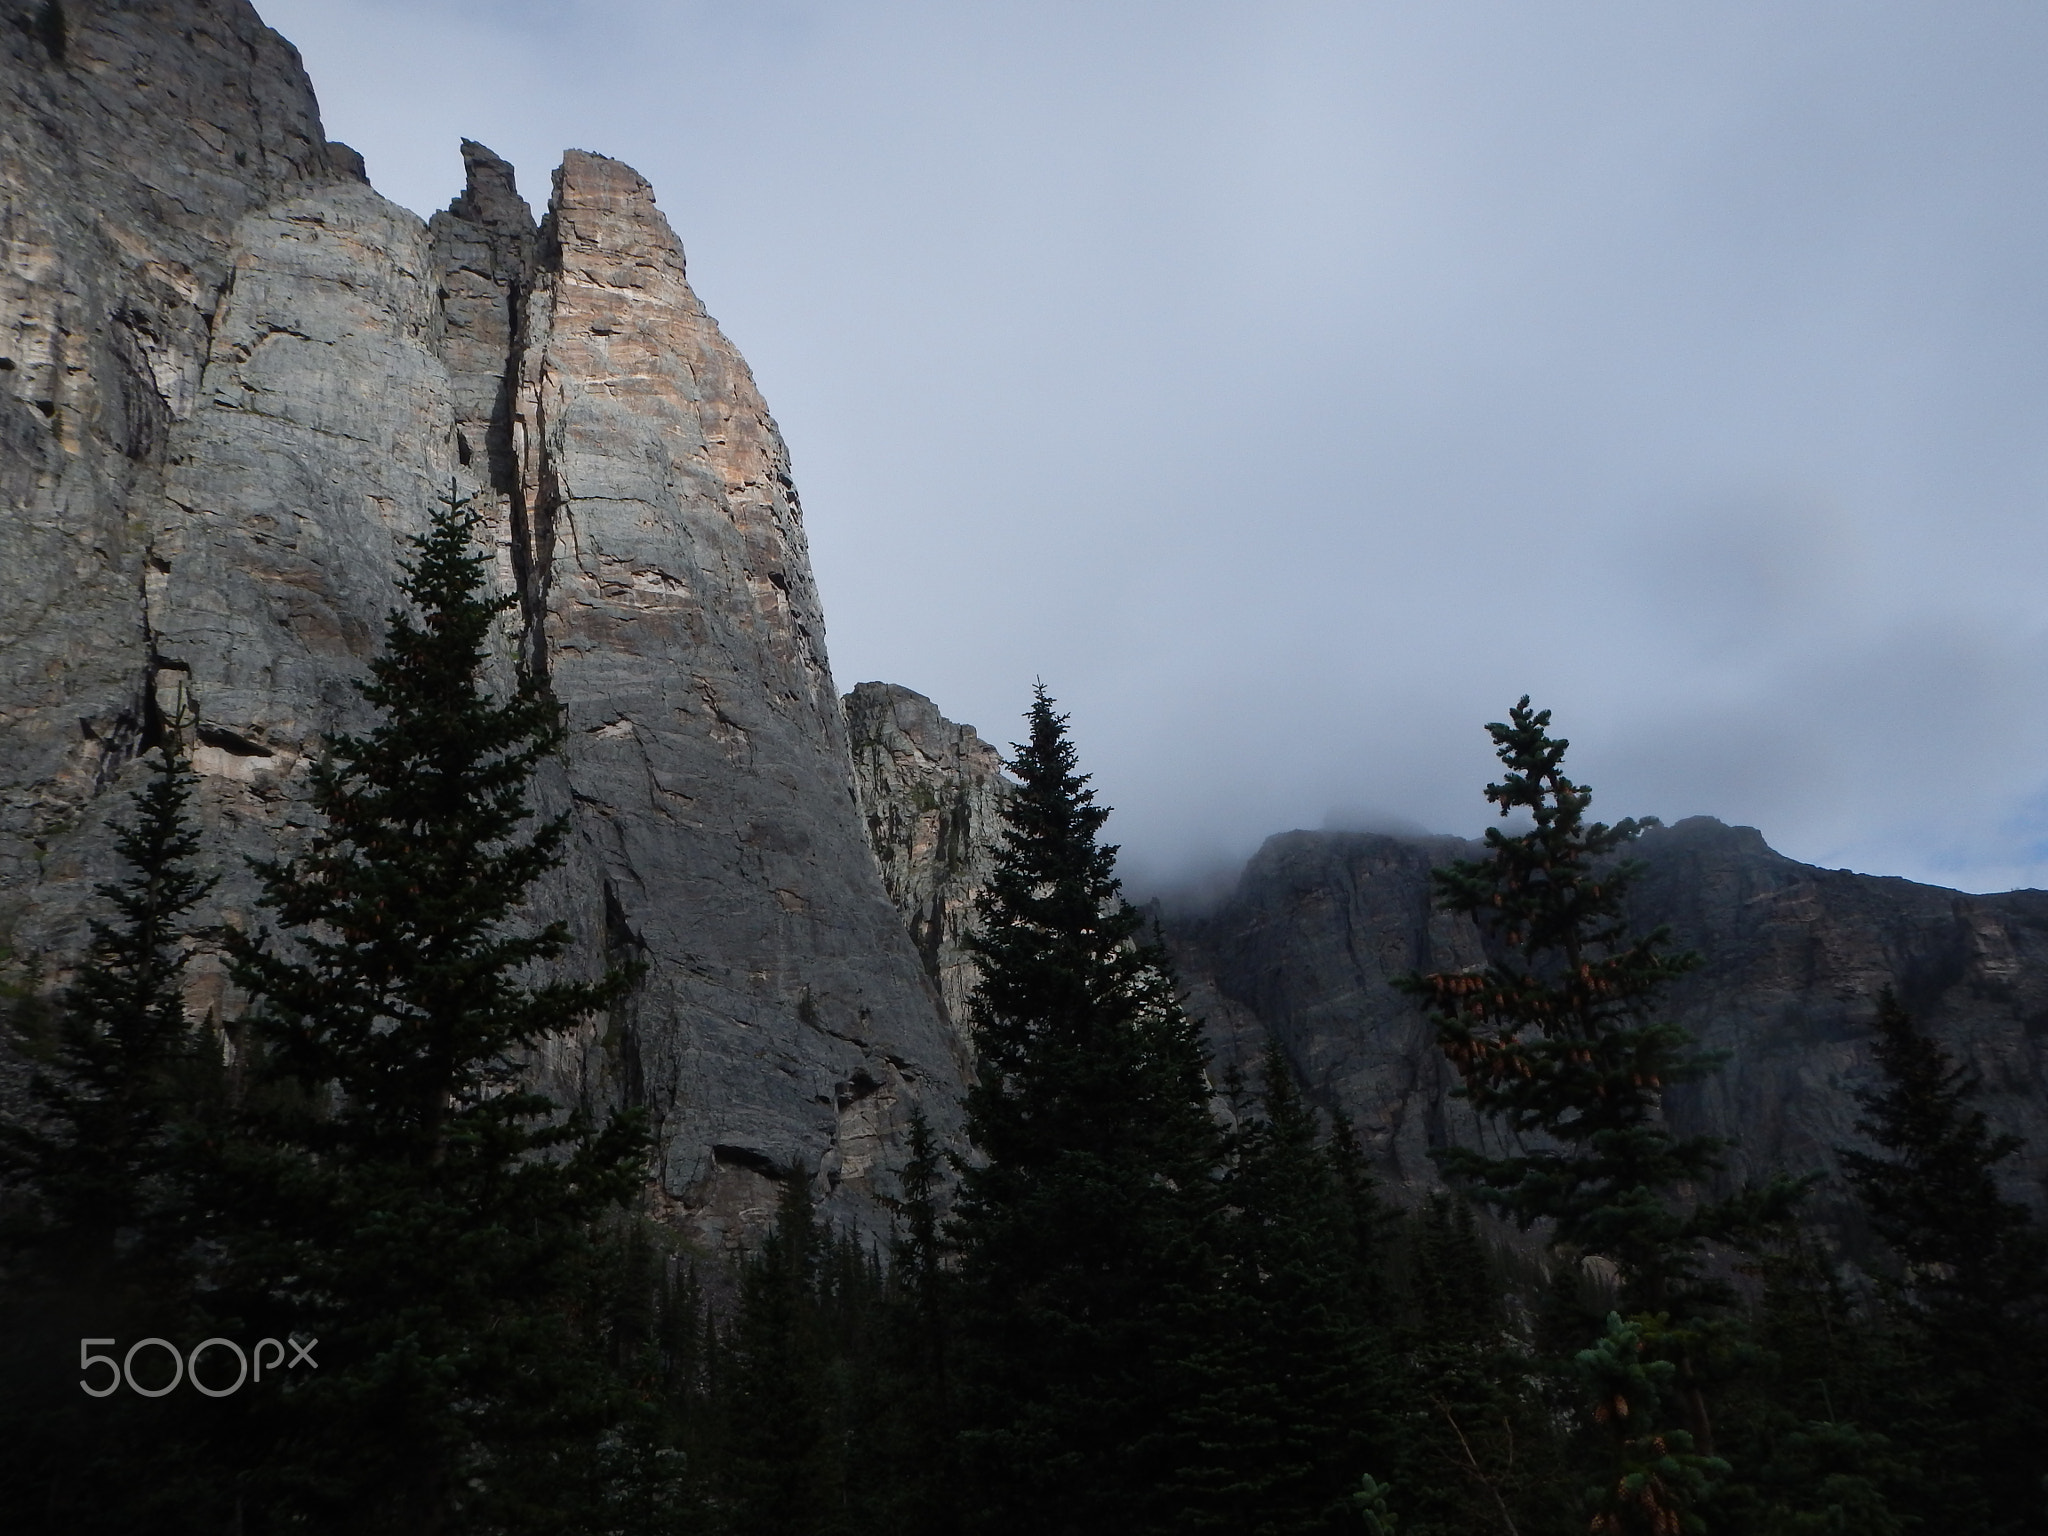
(1306, 948)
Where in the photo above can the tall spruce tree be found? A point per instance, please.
(1088, 1223)
(119, 1055)
(914, 1441)
(403, 1192)
(1480, 1450)
(1799, 1425)
(99, 1239)
(781, 1455)
(1930, 1190)
(1556, 1039)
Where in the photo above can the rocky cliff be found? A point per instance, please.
(235, 378)
(932, 794)
(1308, 944)
(1306, 948)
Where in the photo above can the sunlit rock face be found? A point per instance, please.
(785, 1018)
(1309, 944)
(133, 142)
(238, 380)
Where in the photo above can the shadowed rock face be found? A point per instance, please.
(932, 795)
(1320, 924)
(259, 375)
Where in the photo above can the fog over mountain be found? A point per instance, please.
(1293, 386)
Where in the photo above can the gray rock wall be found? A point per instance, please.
(238, 380)
(785, 1018)
(931, 793)
(133, 140)
(1309, 942)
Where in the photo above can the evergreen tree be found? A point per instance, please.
(1930, 1190)
(782, 1464)
(98, 1240)
(647, 1478)
(403, 1193)
(1088, 1226)
(1799, 1424)
(1555, 1039)
(1290, 1390)
(1969, 1307)
(919, 1494)
(96, 1153)
(1552, 1037)
(1660, 1478)
(1370, 1226)
(1479, 1450)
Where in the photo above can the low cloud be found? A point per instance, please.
(1293, 387)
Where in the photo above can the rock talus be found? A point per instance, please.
(234, 381)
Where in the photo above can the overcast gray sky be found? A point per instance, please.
(1292, 386)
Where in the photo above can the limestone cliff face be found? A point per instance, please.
(932, 795)
(785, 1017)
(237, 380)
(133, 141)
(1320, 923)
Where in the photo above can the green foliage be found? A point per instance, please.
(1089, 1227)
(1288, 1390)
(1659, 1480)
(122, 1065)
(1370, 1502)
(1556, 1039)
(1478, 1449)
(913, 1440)
(1797, 1425)
(1553, 1039)
(98, 1238)
(401, 1190)
(1930, 1191)
(782, 1413)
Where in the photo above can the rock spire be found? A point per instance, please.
(234, 379)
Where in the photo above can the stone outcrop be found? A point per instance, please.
(785, 1019)
(932, 795)
(485, 249)
(133, 141)
(1319, 925)
(238, 380)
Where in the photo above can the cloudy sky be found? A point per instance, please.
(1292, 386)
